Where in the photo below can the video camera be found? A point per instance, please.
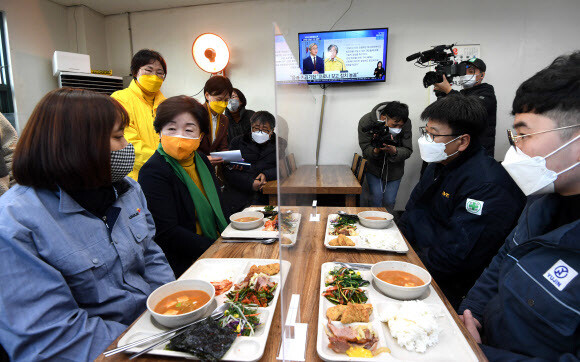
(444, 58)
(381, 135)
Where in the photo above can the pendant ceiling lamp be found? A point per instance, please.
(210, 53)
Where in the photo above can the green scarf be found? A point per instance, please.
(209, 213)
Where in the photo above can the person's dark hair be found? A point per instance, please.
(553, 92)
(464, 115)
(144, 57)
(263, 117)
(242, 97)
(333, 46)
(216, 85)
(396, 110)
(67, 141)
(174, 106)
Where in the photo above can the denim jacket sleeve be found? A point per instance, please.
(157, 270)
(39, 317)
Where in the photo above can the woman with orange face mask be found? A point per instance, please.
(180, 185)
(141, 100)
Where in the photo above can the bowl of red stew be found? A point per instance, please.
(180, 302)
(247, 220)
(400, 280)
(375, 219)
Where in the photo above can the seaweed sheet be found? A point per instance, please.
(206, 340)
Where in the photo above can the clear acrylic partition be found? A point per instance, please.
(298, 110)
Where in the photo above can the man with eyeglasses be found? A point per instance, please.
(472, 84)
(465, 203)
(528, 299)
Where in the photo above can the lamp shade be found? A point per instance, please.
(210, 53)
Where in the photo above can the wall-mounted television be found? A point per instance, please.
(344, 56)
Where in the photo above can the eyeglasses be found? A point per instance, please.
(258, 129)
(431, 137)
(513, 136)
(152, 72)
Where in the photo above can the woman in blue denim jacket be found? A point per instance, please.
(77, 257)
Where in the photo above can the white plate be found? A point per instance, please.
(243, 348)
(232, 233)
(452, 345)
(391, 237)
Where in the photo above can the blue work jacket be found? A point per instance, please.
(458, 216)
(528, 299)
(71, 282)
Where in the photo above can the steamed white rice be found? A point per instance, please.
(412, 323)
(382, 241)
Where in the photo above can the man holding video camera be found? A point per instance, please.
(385, 138)
(473, 86)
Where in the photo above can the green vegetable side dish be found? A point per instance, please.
(344, 287)
(240, 318)
(344, 220)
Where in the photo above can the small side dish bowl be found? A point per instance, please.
(396, 291)
(173, 321)
(382, 221)
(247, 225)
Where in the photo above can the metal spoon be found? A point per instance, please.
(261, 241)
(216, 314)
(342, 213)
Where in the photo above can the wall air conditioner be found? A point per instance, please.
(104, 84)
(70, 62)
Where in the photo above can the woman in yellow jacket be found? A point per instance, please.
(141, 100)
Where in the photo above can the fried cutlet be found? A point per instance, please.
(357, 313)
(335, 313)
(350, 313)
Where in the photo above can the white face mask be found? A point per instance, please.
(433, 151)
(260, 137)
(530, 173)
(395, 131)
(234, 104)
(468, 81)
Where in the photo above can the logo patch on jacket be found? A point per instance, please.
(445, 194)
(474, 206)
(560, 274)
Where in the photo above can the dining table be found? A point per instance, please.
(314, 180)
(306, 258)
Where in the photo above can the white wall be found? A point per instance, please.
(517, 38)
(36, 28)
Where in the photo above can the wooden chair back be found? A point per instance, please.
(283, 168)
(355, 162)
(361, 170)
(291, 163)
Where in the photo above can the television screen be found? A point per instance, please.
(343, 56)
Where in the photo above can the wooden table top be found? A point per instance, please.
(326, 179)
(306, 257)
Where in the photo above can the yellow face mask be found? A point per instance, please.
(151, 83)
(218, 106)
(180, 148)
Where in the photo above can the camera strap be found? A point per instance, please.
(384, 187)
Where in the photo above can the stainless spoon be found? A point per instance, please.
(216, 314)
(261, 241)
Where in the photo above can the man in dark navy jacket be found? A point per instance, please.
(528, 299)
(465, 203)
(313, 64)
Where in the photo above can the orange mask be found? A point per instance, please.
(178, 147)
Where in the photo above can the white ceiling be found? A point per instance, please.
(110, 7)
